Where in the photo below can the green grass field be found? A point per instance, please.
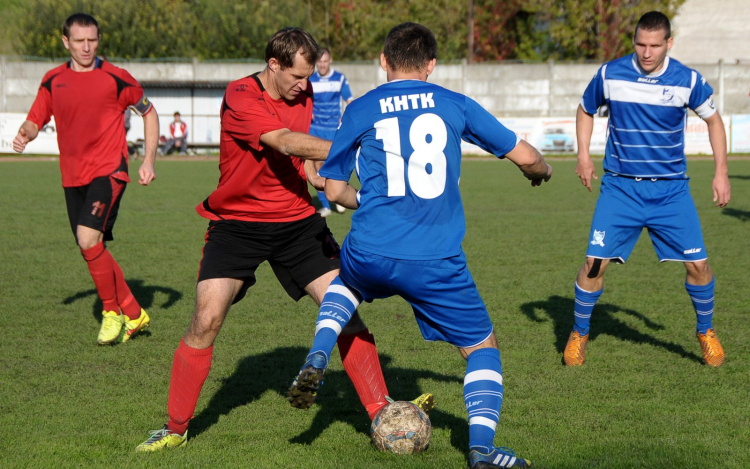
(642, 400)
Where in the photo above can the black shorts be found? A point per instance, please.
(95, 206)
(298, 252)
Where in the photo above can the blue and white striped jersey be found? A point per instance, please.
(647, 115)
(328, 90)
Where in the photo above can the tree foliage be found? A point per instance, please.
(353, 29)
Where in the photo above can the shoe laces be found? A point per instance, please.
(505, 450)
(156, 435)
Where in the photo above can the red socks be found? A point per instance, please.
(190, 369)
(99, 261)
(360, 358)
(125, 297)
(110, 282)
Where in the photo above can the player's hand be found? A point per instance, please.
(722, 191)
(537, 181)
(317, 181)
(586, 170)
(147, 174)
(19, 143)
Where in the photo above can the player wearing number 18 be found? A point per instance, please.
(404, 140)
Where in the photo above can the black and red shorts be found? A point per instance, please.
(95, 206)
(298, 252)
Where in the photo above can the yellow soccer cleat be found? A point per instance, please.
(426, 402)
(111, 327)
(161, 439)
(575, 350)
(132, 326)
(713, 353)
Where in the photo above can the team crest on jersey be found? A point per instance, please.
(667, 95)
(598, 238)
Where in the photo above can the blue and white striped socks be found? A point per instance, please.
(584, 305)
(483, 395)
(337, 308)
(702, 297)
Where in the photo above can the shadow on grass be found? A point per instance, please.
(742, 215)
(337, 399)
(604, 320)
(739, 176)
(143, 293)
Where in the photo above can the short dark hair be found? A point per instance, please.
(325, 50)
(81, 19)
(654, 21)
(409, 46)
(177, 113)
(285, 43)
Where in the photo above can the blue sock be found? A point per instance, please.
(483, 395)
(323, 201)
(337, 308)
(585, 302)
(702, 297)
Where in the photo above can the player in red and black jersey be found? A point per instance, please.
(88, 97)
(262, 211)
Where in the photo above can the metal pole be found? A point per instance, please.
(470, 39)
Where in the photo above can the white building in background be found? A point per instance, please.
(706, 31)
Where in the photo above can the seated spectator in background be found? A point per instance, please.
(178, 136)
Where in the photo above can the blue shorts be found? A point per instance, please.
(664, 207)
(442, 293)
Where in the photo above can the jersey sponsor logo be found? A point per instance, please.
(692, 251)
(647, 80)
(98, 208)
(598, 238)
(241, 87)
(406, 102)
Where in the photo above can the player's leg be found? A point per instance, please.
(337, 307)
(699, 284)
(615, 228)
(358, 351)
(676, 234)
(192, 360)
(448, 307)
(308, 265)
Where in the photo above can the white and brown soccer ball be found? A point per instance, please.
(401, 428)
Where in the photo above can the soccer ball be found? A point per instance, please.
(401, 428)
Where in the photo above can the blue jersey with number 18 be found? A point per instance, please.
(404, 141)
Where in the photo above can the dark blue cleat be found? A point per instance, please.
(498, 458)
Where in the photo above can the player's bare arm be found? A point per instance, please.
(151, 136)
(585, 168)
(311, 171)
(26, 133)
(341, 193)
(531, 163)
(297, 144)
(717, 137)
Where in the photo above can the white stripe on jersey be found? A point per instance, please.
(643, 93)
(483, 375)
(326, 86)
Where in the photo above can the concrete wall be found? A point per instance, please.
(505, 89)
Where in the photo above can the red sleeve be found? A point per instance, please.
(41, 110)
(247, 116)
(133, 95)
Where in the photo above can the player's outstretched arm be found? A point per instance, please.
(151, 136)
(26, 133)
(341, 193)
(718, 138)
(585, 168)
(297, 144)
(531, 163)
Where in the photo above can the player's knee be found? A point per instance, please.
(594, 267)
